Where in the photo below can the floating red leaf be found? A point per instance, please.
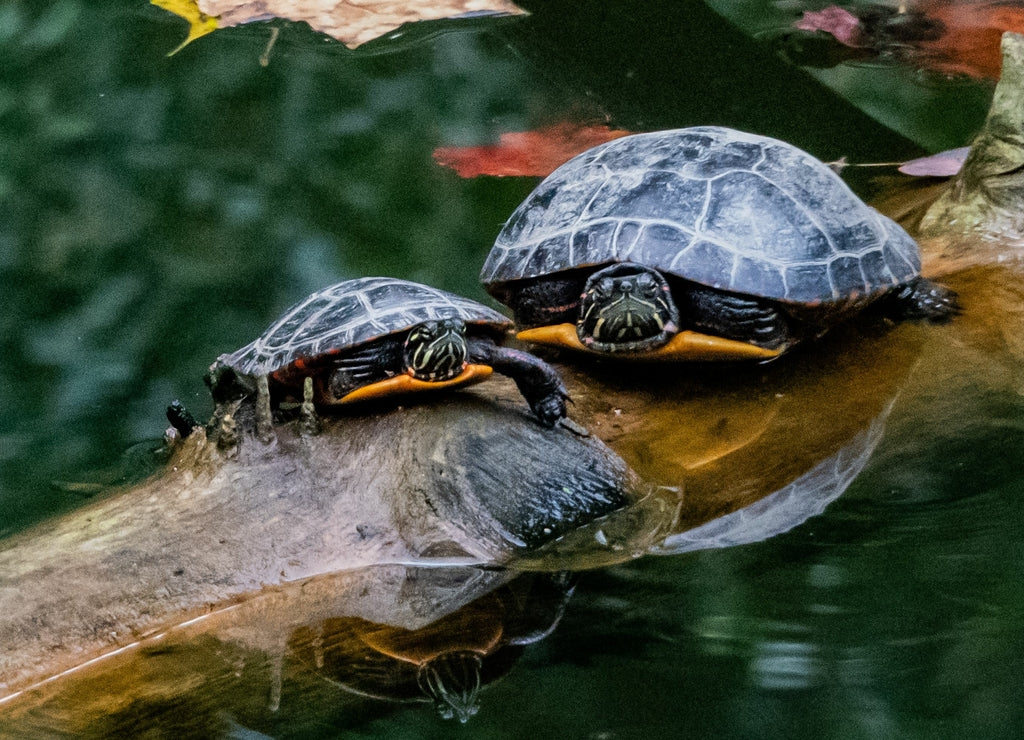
(950, 37)
(970, 45)
(526, 153)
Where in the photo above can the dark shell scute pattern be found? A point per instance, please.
(724, 208)
(352, 312)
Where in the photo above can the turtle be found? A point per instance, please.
(701, 243)
(372, 337)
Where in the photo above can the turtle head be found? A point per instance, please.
(452, 680)
(626, 308)
(436, 350)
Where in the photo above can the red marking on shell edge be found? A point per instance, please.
(562, 308)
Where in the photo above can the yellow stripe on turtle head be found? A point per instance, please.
(403, 384)
(685, 345)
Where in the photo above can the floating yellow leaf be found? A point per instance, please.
(199, 23)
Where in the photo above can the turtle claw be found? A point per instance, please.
(578, 429)
(226, 429)
(309, 422)
(264, 415)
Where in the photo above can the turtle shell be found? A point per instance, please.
(350, 313)
(719, 207)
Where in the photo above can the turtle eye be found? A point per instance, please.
(606, 286)
(428, 328)
(452, 325)
(648, 285)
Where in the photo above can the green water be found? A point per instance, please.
(156, 211)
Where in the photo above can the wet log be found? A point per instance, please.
(470, 480)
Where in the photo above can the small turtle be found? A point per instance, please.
(700, 243)
(373, 337)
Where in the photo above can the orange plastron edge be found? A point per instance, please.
(475, 628)
(686, 345)
(402, 384)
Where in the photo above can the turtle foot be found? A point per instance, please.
(180, 418)
(923, 299)
(550, 409)
(226, 431)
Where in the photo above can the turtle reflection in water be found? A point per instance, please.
(446, 662)
(374, 337)
(701, 243)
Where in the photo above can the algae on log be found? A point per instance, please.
(986, 195)
(463, 481)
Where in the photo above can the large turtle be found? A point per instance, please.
(377, 336)
(700, 243)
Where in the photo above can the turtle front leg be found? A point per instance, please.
(735, 317)
(539, 383)
(309, 422)
(922, 299)
(546, 301)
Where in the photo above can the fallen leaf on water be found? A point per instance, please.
(353, 22)
(943, 164)
(970, 45)
(199, 24)
(839, 22)
(526, 153)
(950, 37)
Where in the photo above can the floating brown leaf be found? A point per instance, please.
(353, 22)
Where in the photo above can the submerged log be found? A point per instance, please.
(467, 481)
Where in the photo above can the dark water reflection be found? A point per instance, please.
(329, 652)
(155, 212)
